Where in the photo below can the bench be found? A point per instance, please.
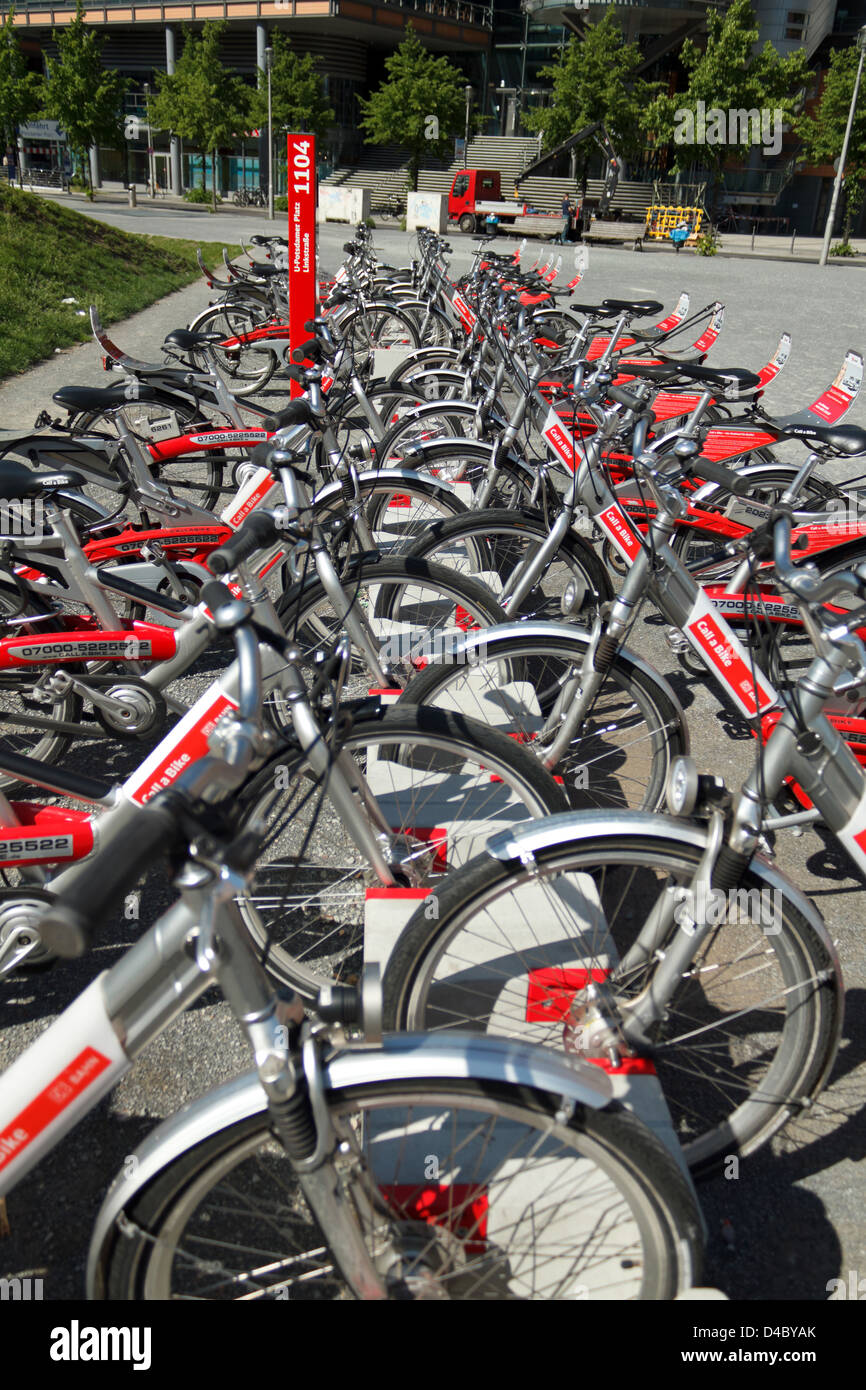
(617, 231)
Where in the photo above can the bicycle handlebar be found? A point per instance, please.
(804, 580)
(69, 926)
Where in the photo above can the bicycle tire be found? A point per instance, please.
(620, 757)
(18, 696)
(411, 606)
(232, 321)
(441, 779)
(600, 1188)
(397, 513)
(376, 325)
(723, 1100)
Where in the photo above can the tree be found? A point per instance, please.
(731, 77)
(297, 93)
(20, 90)
(200, 101)
(596, 80)
(421, 104)
(80, 94)
(823, 132)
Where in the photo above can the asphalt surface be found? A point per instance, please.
(793, 1218)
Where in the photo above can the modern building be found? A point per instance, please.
(350, 39)
(502, 47)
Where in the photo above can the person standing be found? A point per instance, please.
(566, 210)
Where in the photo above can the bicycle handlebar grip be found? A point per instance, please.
(718, 473)
(257, 532)
(626, 398)
(312, 350)
(70, 924)
(296, 374)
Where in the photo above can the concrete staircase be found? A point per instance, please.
(382, 169)
(547, 194)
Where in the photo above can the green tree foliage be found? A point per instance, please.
(595, 80)
(823, 132)
(20, 90)
(80, 94)
(200, 101)
(297, 93)
(729, 74)
(420, 104)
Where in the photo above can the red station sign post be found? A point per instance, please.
(302, 239)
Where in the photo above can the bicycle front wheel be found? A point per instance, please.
(442, 784)
(460, 1189)
(493, 546)
(749, 1034)
(620, 755)
(412, 610)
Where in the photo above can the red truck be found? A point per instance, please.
(475, 197)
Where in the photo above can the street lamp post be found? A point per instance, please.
(468, 93)
(269, 62)
(840, 172)
(529, 7)
(150, 176)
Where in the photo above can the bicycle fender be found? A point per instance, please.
(419, 452)
(387, 475)
(403, 1056)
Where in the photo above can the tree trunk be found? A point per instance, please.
(846, 226)
(414, 166)
(213, 159)
(204, 170)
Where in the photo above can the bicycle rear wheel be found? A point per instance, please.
(461, 1190)
(249, 368)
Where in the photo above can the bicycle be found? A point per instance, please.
(543, 1188)
(672, 942)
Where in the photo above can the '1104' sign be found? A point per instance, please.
(302, 239)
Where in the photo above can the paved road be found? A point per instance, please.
(796, 1213)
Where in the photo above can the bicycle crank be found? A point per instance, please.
(20, 942)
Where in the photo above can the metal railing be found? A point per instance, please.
(481, 16)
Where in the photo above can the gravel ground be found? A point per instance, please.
(794, 1216)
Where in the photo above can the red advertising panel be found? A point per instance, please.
(302, 239)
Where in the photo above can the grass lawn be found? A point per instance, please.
(48, 253)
